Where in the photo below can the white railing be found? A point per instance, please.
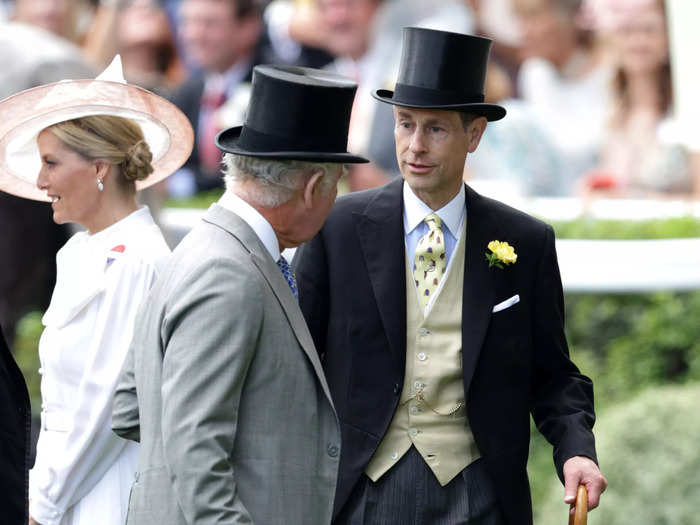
(629, 266)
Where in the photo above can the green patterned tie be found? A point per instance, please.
(430, 261)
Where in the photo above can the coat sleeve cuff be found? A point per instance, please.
(43, 511)
(561, 457)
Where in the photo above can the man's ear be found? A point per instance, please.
(312, 188)
(475, 130)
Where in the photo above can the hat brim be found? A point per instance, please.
(227, 141)
(492, 112)
(24, 115)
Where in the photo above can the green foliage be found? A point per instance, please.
(26, 354)
(540, 469)
(588, 228)
(629, 342)
(201, 200)
(649, 453)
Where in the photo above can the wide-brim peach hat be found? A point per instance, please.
(23, 116)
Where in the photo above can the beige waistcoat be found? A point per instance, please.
(431, 414)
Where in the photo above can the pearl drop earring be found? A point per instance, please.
(100, 186)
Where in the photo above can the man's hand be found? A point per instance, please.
(581, 470)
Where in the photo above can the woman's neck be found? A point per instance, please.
(110, 212)
(643, 92)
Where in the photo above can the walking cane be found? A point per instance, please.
(578, 514)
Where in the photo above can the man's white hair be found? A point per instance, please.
(274, 181)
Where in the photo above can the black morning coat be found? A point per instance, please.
(15, 421)
(352, 291)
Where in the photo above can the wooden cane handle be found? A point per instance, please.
(578, 514)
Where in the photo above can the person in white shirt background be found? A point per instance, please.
(88, 146)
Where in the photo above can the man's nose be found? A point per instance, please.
(417, 143)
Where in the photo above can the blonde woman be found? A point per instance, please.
(90, 168)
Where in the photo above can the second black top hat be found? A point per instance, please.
(295, 113)
(442, 70)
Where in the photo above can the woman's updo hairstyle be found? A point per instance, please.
(116, 140)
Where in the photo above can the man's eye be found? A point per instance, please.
(436, 129)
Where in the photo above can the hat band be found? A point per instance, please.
(253, 140)
(433, 97)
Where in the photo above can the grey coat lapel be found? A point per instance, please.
(259, 255)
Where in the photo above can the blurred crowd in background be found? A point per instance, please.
(588, 85)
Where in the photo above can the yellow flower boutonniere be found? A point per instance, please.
(501, 253)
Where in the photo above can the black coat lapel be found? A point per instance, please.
(381, 235)
(479, 292)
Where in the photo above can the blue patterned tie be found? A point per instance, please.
(287, 272)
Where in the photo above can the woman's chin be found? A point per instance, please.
(58, 218)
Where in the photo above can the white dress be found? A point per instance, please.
(83, 471)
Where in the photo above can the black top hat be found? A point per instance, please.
(295, 113)
(442, 70)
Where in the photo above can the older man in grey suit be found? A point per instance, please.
(223, 386)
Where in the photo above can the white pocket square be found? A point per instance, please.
(506, 304)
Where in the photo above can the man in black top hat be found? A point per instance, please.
(222, 385)
(438, 314)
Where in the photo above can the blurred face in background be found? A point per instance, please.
(642, 40)
(144, 35)
(547, 31)
(213, 35)
(348, 24)
(56, 16)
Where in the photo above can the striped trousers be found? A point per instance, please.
(409, 494)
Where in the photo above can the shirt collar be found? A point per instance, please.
(415, 210)
(254, 219)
